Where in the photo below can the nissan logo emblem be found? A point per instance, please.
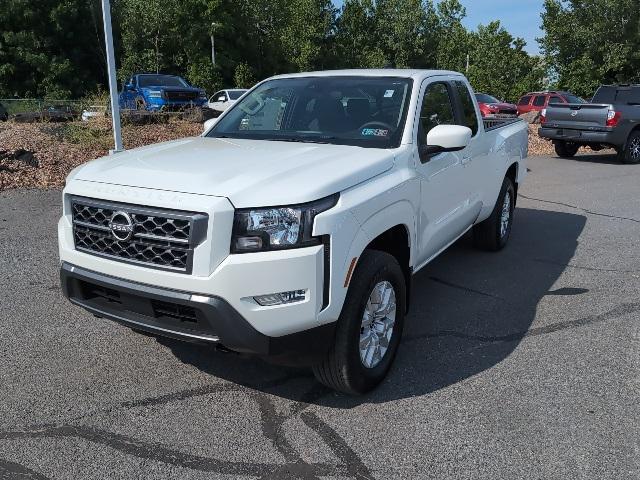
(121, 226)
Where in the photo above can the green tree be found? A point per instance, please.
(243, 76)
(50, 47)
(591, 42)
(499, 64)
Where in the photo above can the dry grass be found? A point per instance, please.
(58, 148)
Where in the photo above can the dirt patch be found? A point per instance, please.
(41, 155)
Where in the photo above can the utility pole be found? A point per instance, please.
(113, 81)
(213, 45)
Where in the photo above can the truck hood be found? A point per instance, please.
(250, 173)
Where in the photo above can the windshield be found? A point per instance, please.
(484, 98)
(160, 81)
(570, 98)
(236, 94)
(361, 111)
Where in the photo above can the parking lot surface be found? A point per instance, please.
(520, 364)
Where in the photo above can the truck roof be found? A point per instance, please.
(372, 72)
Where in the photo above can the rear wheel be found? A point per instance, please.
(631, 152)
(566, 149)
(369, 328)
(493, 233)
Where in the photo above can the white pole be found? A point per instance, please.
(113, 81)
(213, 44)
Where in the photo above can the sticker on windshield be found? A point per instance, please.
(374, 132)
(389, 93)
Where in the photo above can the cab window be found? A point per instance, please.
(555, 99)
(469, 116)
(539, 101)
(525, 100)
(437, 109)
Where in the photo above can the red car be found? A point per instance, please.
(492, 107)
(538, 101)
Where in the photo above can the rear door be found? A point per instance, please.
(524, 104)
(442, 183)
(539, 102)
(476, 171)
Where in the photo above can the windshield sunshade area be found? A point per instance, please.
(481, 97)
(360, 111)
(160, 81)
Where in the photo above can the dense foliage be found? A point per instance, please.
(591, 42)
(54, 48)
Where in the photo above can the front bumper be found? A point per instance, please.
(186, 316)
(156, 104)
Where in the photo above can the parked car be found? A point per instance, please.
(292, 227)
(612, 120)
(223, 99)
(49, 113)
(537, 101)
(94, 111)
(155, 92)
(492, 107)
(4, 115)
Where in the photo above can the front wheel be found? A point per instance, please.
(566, 149)
(631, 152)
(369, 328)
(493, 233)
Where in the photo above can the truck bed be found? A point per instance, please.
(496, 123)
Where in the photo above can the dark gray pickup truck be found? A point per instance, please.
(611, 120)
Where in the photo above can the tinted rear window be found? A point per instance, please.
(539, 101)
(236, 94)
(617, 95)
(525, 100)
(570, 98)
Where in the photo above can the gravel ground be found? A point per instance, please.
(523, 364)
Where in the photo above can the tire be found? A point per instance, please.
(344, 368)
(492, 234)
(566, 149)
(631, 153)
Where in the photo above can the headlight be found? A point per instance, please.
(154, 94)
(277, 228)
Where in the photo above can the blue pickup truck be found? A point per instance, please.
(155, 92)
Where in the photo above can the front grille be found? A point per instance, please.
(158, 238)
(178, 95)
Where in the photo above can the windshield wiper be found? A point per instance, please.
(322, 140)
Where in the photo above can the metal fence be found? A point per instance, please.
(28, 105)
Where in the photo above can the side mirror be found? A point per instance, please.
(129, 86)
(445, 138)
(208, 124)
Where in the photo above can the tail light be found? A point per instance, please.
(543, 116)
(613, 118)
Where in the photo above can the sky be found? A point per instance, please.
(520, 17)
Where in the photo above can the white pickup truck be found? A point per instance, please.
(291, 228)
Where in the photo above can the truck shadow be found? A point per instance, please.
(604, 158)
(469, 311)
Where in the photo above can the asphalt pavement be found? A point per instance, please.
(517, 365)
